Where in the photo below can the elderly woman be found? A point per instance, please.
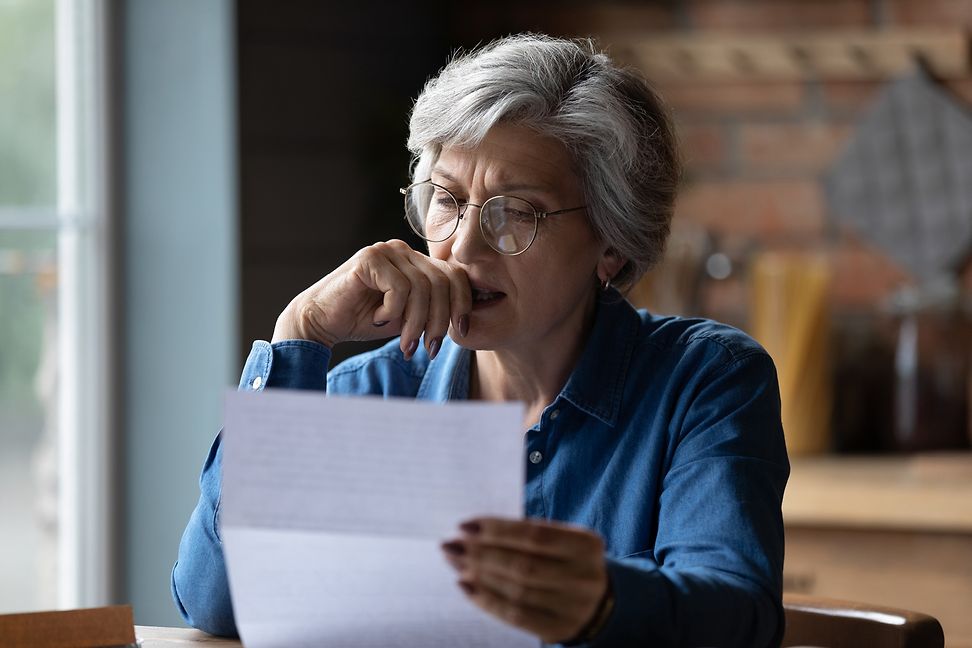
(543, 183)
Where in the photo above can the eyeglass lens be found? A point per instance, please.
(509, 224)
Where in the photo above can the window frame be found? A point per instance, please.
(87, 455)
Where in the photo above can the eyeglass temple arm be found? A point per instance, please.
(561, 211)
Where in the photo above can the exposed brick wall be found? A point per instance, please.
(755, 152)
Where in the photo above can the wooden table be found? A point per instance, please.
(155, 637)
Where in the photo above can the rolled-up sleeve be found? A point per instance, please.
(199, 583)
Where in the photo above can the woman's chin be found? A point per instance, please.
(473, 341)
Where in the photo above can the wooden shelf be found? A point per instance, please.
(856, 55)
(931, 492)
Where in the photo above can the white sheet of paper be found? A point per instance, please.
(332, 511)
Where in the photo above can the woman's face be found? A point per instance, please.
(542, 296)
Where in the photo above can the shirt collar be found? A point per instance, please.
(447, 376)
(595, 386)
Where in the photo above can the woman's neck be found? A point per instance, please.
(534, 375)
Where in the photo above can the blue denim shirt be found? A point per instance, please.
(666, 440)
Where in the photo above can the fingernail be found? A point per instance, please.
(468, 588)
(379, 324)
(434, 347)
(454, 548)
(472, 528)
(412, 348)
(463, 325)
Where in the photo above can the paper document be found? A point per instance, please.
(333, 508)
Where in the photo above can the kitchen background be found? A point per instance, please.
(826, 208)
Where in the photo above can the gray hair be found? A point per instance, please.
(615, 127)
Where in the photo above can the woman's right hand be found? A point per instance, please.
(385, 289)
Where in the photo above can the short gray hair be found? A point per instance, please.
(615, 127)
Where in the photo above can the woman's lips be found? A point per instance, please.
(485, 298)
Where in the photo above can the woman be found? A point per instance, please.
(544, 182)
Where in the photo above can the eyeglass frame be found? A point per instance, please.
(538, 215)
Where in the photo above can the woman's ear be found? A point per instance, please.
(609, 265)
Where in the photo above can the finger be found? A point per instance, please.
(563, 602)
(437, 323)
(460, 294)
(379, 273)
(542, 537)
(416, 312)
(528, 569)
(539, 621)
(454, 552)
(516, 593)
(419, 294)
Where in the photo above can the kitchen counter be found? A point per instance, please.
(930, 492)
(888, 530)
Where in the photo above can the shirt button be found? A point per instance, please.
(536, 457)
(257, 382)
(554, 414)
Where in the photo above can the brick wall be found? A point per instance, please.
(755, 151)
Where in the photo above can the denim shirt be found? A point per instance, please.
(666, 440)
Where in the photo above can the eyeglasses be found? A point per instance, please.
(509, 224)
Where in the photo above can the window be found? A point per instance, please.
(55, 509)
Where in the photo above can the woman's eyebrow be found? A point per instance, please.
(444, 174)
(503, 188)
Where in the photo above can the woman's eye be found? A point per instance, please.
(516, 214)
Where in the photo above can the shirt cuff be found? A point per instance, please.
(290, 364)
(633, 594)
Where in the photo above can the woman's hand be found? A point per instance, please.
(544, 577)
(385, 289)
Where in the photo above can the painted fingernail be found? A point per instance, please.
(472, 528)
(379, 324)
(467, 587)
(434, 346)
(412, 348)
(463, 325)
(454, 548)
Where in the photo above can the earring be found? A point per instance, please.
(606, 284)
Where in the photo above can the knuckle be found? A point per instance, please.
(368, 254)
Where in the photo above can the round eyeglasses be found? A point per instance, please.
(509, 224)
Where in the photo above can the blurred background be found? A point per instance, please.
(173, 172)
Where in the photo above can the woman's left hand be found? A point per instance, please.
(545, 577)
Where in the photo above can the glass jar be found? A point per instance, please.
(932, 367)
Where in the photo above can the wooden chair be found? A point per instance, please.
(829, 623)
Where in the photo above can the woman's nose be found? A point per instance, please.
(468, 243)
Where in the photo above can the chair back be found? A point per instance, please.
(830, 623)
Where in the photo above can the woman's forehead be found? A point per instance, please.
(509, 156)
